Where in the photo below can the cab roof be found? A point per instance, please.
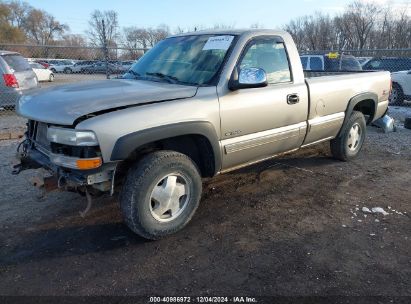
(234, 32)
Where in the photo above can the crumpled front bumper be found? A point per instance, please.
(29, 157)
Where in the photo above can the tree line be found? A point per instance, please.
(362, 25)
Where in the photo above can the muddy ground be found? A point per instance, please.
(289, 226)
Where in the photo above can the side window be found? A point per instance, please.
(304, 61)
(316, 64)
(269, 55)
(349, 63)
(375, 64)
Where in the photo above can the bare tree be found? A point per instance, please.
(157, 34)
(8, 32)
(19, 12)
(361, 25)
(256, 25)
(134, 37)
(223, 26)
(97, 32)
(42, 28)
(361, 18)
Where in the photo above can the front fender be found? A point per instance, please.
(126, 144)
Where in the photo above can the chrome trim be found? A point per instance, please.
(257, 161)
(262, 138)
(317, 142)
(326, 121)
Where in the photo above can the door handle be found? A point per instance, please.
(293, 99)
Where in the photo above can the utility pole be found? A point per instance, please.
(105, 49)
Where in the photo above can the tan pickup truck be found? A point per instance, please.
(194, 106)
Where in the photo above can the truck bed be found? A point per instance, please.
(329, 92)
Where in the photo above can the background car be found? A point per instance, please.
(100, 67)
(125, 65)
(388, 64)
(401, 87)
(330, 62)
(16, 77)
(61, 66)
(43, 63)
(79, 66)
(41, 72)
(363, 60)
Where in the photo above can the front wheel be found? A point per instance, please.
(160, 195)
(51, 78)
(347, 145)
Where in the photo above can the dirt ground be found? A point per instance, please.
(289, 226)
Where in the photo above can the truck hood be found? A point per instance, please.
(62, 105)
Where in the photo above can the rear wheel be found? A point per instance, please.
(68, 71)
(397, 95)
(161, 193)
(51, 78)
(349, 142)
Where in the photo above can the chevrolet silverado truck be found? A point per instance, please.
(195, 106)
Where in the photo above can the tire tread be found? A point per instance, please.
(134, 180)
(337, 145)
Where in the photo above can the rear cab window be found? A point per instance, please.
(16, 62)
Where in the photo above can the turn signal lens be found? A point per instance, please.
(89, 163)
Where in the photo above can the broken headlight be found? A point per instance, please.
(71, 137)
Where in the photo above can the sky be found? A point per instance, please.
(190, 13)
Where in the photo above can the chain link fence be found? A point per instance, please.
(55, 65)
(396, 61)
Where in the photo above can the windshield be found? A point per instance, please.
(193, 60)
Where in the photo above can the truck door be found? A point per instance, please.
(258, 123)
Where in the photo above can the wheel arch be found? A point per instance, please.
(198, 140)
(365, 103)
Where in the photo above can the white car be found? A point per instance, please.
(42, 73)
(401, 87)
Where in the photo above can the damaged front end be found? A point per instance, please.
(70, 161)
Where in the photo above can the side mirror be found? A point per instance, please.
(248, 78)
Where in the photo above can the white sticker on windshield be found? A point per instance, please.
(218, 43)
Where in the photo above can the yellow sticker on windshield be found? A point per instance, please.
(333, 55)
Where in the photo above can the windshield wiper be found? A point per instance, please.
(135, 74)
(169, 78)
